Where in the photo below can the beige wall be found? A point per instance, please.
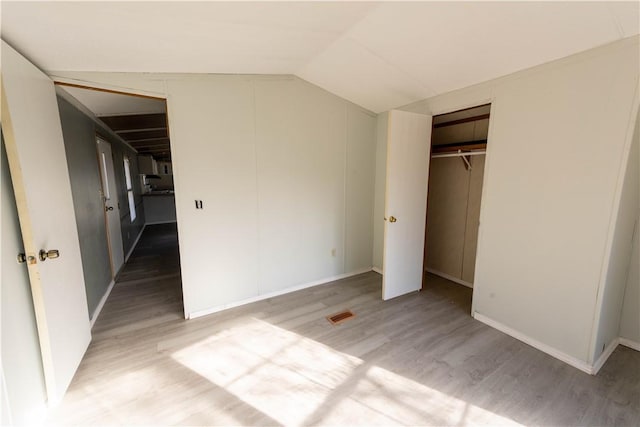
(453, 209)
(630, 318)
(549, 196)
(463, 132)
(446, 216)
(610, 308)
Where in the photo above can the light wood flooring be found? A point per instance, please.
(416, 360)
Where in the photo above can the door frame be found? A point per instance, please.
(483, 197)
(109, 88)
(100, 138)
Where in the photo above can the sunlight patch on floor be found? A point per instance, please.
(295, 380)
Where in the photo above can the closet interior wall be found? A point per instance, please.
(455, 189)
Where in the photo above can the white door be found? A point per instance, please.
(38, 165)
(408, 151)
(111, 206)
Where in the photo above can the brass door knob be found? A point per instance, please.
(392, 219)
(51, 254)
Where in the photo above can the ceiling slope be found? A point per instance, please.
(378, 55)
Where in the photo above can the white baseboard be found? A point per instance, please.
(377, 270)
(134, 243)
(576, 363)
(98, 309)
(450, 277)
(160, 222)
(604, 356)
(324, 281)
(629, 343)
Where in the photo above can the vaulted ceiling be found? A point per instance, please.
(140, 121)
(378, 55)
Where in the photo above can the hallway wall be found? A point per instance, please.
(79, 132)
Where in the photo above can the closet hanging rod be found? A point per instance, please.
(460, 154)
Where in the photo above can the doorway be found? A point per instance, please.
(456, 173)
(134, 179)
(111, 206)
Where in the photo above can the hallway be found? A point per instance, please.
(147, 290)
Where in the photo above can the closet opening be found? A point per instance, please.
(456, 172)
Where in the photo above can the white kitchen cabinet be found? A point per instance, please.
(147, 165)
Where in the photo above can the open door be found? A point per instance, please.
(38, 165)
(111, 205)
(408, 148)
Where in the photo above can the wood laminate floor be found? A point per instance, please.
(419, 359)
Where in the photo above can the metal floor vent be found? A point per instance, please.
(340, 317)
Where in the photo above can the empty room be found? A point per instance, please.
(320, 213)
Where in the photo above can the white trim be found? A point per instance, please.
(160, 222)
(377, 270)
(450, 277)
(604, 356)
(108, 86)
(103, 300)
(324, 281)
(629, 343)
(134, 243)
(576, 363)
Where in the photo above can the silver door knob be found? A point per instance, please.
(51, 254)
(108, 208)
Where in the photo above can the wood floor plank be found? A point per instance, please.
(419, 359)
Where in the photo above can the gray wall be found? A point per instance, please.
(21, 360)
(130, 230)
(79, 132)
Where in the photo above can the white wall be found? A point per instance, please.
(557, 142)
(380, 188)
(285, 171)
(610, 309)
(630, 319)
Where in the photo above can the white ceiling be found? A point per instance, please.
(378, 55)
(114, 104)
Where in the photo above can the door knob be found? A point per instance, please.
(108, 208)
(392, 219)
(51, 254)
(21, 258)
